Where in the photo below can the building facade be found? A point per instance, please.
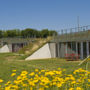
(14, 44)
(72, 44)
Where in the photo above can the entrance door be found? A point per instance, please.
(13, 47)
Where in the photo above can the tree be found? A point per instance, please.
(28, 32)
(1, 34)
(44, 33)
(52, 33)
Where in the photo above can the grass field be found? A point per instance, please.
(11, 61)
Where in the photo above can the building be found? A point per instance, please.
(70, 44)
(77, 43)
(12, 44)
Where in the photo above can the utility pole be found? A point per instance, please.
(78, 23)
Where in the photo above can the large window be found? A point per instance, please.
(84, 50)
(69, 45)
(74, 46)
(79, 47)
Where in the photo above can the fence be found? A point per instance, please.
(73, 30)
(73, 34)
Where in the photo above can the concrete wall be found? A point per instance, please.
(10, 47)
(62, 50)
(4, 49)
(42, 53)
(52, 47)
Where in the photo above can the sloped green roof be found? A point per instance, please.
(15, 40)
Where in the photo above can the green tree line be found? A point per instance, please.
(27, 33)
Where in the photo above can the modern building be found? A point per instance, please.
(73, 44)
(77, 43)
(13, 44)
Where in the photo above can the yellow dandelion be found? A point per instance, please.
(79, 88)
(32, 74)
(13, 74)
(13, 70)
(36, 70)
(1, 80)
(71, 89)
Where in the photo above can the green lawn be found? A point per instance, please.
(10, 61)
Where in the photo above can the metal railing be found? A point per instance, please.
(73, 30)
(73, 34)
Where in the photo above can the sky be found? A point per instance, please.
(42, 14)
